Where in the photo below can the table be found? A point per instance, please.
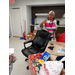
(54, 51)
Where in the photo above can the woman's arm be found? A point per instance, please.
(41, 25)
(55, 26)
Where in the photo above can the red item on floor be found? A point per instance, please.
(24, 36)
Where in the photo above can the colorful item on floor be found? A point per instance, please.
(21, 38)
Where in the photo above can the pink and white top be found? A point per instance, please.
(50, 26)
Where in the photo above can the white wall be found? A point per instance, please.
(40, 19)
(23, 4)
(28, 18)
(9, 28)
(45, 2)
(62, 20)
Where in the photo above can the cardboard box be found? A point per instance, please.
(29, 36)
(33, 37)
(34, 32)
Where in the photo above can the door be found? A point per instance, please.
(16, 21)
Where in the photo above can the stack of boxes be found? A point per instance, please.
(31, 36)
(34, 34)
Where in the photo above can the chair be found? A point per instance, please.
(38, 44)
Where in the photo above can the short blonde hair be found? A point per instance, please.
(52, 12)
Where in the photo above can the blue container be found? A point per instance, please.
(32, 22)
(9, 36)
(32, 19)
(21, 38)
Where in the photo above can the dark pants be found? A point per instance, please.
(59, 58)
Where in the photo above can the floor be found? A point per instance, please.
(19, 67)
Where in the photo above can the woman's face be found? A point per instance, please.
(51, 16)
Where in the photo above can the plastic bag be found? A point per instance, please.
(51, 68)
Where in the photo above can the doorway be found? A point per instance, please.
(15, 14)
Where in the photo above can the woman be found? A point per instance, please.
(50, 24)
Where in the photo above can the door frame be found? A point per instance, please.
(11, 25)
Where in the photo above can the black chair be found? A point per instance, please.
(38, 44)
